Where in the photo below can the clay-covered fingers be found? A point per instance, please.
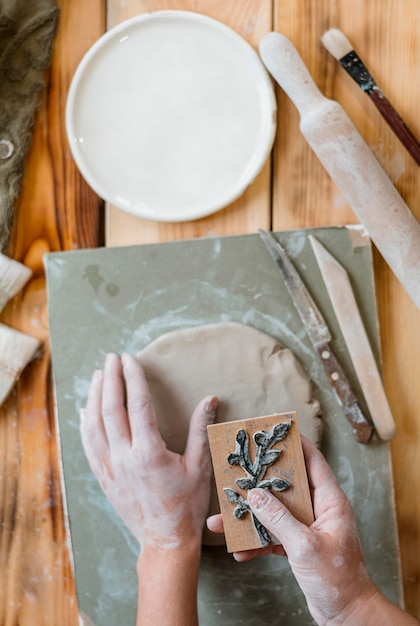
(197, 451)
(141, 415)
(248, 555)
(278, 520)
(326, 492)
(114, 413)
(92, 429)
(215, 523)
(319, 472)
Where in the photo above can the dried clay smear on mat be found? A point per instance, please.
(249, 371)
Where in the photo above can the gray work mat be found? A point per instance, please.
(120, 299)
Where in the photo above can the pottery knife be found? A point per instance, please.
(320, 338)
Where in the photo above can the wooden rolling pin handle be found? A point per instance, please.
(286, 66)
(350, 163)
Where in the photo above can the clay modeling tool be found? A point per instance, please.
(13, 276)
(320, 337)
(350, 163)
(342, 297)
(16, 350)
(341, 49)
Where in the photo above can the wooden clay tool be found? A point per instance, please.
(320, 337)
(350, 163)
(339, 46)
(348, 315)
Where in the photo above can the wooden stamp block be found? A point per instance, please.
(258, 452)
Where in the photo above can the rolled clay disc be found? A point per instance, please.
(249, 371)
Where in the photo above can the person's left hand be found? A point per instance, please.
(161, 496)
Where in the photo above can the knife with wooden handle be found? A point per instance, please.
(350, 163)
(320, 337)
(352, 328)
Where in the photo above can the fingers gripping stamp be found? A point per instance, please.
(268, 451)
(264, 458)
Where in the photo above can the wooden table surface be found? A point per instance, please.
(57, 211)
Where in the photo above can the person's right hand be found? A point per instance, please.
(326, 557)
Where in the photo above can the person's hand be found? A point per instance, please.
(326, 558)
(161, 496)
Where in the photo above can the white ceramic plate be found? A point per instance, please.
(170, 116)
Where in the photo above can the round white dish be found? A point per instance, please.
(170, 116)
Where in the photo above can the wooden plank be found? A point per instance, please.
(289, 467)
(251, 19)
(385, 34)
(56, 211)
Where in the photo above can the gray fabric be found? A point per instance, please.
(27, 31)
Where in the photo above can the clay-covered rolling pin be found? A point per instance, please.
(351, 164)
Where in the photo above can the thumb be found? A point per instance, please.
(276, 518)
(197, 447)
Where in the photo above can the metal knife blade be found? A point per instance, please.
(309, 313)
(320, 337)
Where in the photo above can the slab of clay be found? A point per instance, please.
(249, 371)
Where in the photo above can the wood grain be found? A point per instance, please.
(57, 211)
(290, 466)
(251, 19)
